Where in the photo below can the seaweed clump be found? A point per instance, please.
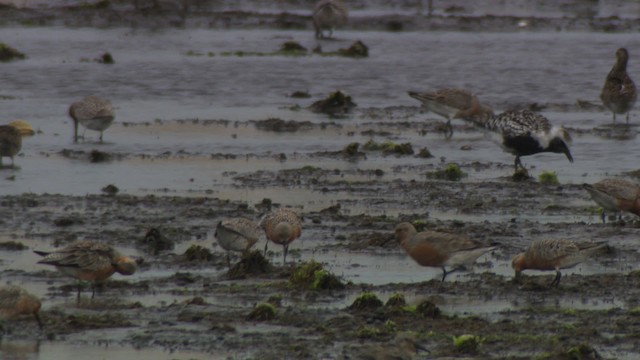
(451, 172)
(366, 301)
(252, 263)
(198, 253)
(312, 276)
(337, 104)
(262, 312)
(357, 50)
(548, 178)
(7, 53)
(292, 48)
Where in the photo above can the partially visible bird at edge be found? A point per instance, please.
(11, 139)
(15, 301)
(616, 196)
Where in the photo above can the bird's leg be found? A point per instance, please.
(266, 244)
(228, 260)
(604, 217)
(286, 249)
(78, 297)
(93, 290)
(614, 118)
(556, 280)
(627, 118)
(448, 129)
(100, 136)
(517, 163)
(444, 273)
(37, 316)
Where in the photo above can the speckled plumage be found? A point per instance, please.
(11, 138)
(327, 15)
(615, 195)
(15, 301)
(553, 254)
(453, 103)
(619, 92)
(89, 261)
(524, 133)
(237, 234)
(93, 113)
(282, 226)
(438, 249)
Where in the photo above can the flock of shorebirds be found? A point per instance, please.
(521, 132)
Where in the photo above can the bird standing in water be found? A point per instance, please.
(327, 15)
(93, 113)
(619, 92)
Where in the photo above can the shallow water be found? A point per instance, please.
(153, 78)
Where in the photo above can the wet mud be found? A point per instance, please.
(162, 179)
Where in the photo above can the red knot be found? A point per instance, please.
(93, 113)
(89, 261)
(453, 104)
(553, 254)
(619, 92)
(15, 301)
(327, 15)
(11, 138)
(281, 226)
(438, 249)
(615, 195)
(237, 234)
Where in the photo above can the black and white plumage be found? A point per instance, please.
(619, 93)
(328, 14)
(524, 132)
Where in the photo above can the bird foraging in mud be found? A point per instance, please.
(619, 92)
(89, 261)
(11, 138)
(281, 226)
(524, 132)
(327, 15)
(93, 113)
(615, 195)
(438, 249)
(237, 234)
(553, 254)
(453, 104)
(15, 301)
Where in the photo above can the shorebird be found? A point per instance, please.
(328, 14)
(89, 261)
(615, 195)
(524, 132)
(11, 138)
(438, 249)
(15, 301)
(93, 113)
(453, 104)
(281, 226)
(619, 92)
(553, 254)
(237, 234)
